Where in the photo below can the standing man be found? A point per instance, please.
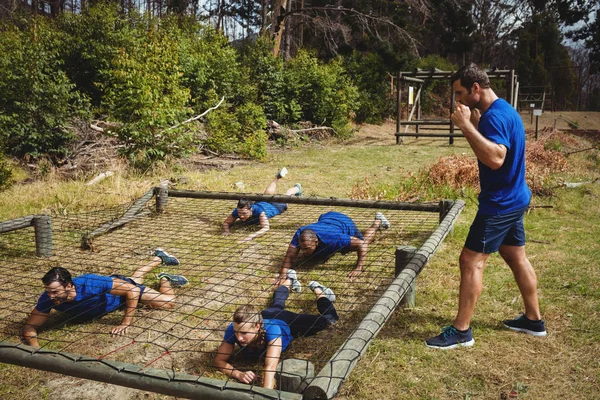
(496, 134)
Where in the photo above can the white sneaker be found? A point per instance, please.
(385, 224)
(296, 285)
(282, 173)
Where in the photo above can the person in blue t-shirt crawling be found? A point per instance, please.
(333, 232)
(251, 213)
(269, 332)
(91, 296)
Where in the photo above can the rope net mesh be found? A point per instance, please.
(223, 274)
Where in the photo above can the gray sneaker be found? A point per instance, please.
(326, 291)
(292, 276)
(176, 280)
(166, 258)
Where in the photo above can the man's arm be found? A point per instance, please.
(35, 320)
(221, 362)
(488, 152)
(290, 256)
(271, 361)
(227, 223)
(361, 247)
(264, 227)
(132, 296)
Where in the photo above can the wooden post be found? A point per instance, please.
(452, 104)
(399, 140)
(42, 225)
(445, 206)
(294, 375)
(162, 196)
(403, 256)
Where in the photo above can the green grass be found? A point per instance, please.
(563, 249)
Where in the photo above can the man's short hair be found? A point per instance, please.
(244, 202)
(469, 74)
(308, 234)
(57, 274)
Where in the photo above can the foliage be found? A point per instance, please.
(142, 90)
(323, 92)
(208, 64)
(37, 100)
(241, 131)
(6, 174)
(375, 95)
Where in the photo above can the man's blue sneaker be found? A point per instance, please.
(176, 280)
(451, 338)
(524, 324)
(166, 258)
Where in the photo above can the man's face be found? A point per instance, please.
(308, 246)
(246, 332)
(59, 293)
(469, 97)
(244, 213)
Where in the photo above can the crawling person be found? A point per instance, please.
(269, 332)
(91, 296)
(261, 212)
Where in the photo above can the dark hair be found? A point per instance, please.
(469, 74)
(244, 202)
(57, 274)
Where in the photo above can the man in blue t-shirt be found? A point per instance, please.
(90, 296)
(496, 134)
(260, 213)
(333, 232)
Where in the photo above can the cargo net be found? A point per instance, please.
(222, 272)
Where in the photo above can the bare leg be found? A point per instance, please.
(472, 265)
(369, 234)
(164, 298)
(525, 277)
(292, 191)
(272, 188)
(141, 272)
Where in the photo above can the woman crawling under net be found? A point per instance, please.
(269, 332)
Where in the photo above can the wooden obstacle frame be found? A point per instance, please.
(292, 375)
(419, 77)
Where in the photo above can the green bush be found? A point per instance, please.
(5, 173)
(240, 131)
(376, 99)
(37, 100)
(323, 92)
(143, 90)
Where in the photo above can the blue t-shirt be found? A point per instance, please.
(91, 301)
(505, 189)
(334, 230)
(274, 328)
(270, 209)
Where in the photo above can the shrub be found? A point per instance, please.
(5, 173)
(239, 131)
(323, 92)
(37, 101)
(143, 91)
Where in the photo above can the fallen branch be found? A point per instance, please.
(197, 116)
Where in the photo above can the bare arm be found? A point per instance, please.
(264, 227)
(290, 256)
(221, 362)
(488, 152)
(227, 223)
(361, 247)
(35, 320)
(271, 361)
(132, 296)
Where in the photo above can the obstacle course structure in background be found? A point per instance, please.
(171, 351)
